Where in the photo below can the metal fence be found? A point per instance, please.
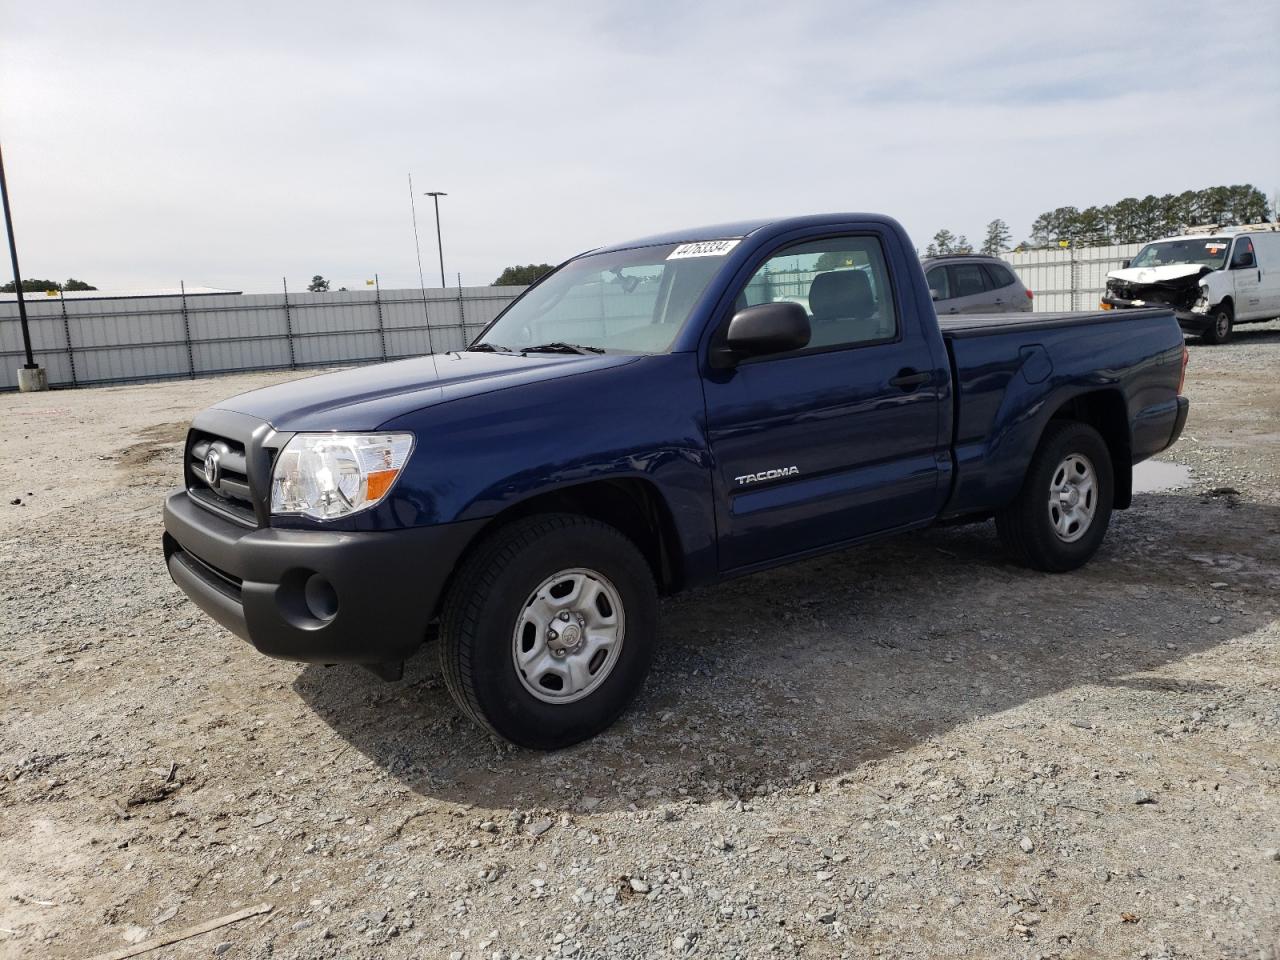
(84, 341)
(89, 341)
(1069, 279)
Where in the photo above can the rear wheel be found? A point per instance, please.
(548, 630)
(1221, 322)
(1061, 514)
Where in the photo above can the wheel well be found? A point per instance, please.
(632, 506)
(1227, 302)
(1104, 410)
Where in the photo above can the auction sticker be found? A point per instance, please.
(703, 248)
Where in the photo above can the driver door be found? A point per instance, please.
(839, 440)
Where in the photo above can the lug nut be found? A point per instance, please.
(564, 615)
(552, 635)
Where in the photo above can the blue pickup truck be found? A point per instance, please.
(649, 417)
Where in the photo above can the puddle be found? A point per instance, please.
(1155, 476)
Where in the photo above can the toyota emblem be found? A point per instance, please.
(213, 468)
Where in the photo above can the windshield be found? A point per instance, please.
(1209, 253)
(628, 301)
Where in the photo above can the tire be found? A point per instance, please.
(1041, 528)
(1222, 322)
(502, 610)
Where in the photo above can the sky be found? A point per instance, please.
(233, 144)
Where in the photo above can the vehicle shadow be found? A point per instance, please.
(774, 681)
(1246, 334)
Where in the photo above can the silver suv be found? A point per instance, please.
(974, 283)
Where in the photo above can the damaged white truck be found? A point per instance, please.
(1212, 277)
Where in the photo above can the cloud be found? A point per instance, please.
(235, 144)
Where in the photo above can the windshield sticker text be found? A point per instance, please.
(704, 248)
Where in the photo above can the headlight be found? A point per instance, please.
(331, 475)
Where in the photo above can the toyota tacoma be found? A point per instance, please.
(649, 417)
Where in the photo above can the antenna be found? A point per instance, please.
(422, 283)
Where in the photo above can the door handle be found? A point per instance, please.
(908, 379)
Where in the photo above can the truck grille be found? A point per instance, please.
(227, 491)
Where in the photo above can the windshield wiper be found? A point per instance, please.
(487, 348)
(558, 347)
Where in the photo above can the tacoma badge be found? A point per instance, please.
(768, 475)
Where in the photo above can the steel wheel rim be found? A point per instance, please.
(1223, 326)
(568, 637)
(1073, 497)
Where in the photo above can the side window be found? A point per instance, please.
(1244, 247)
(938, 285)
(967, 280)
(999, 275)
(842, 283)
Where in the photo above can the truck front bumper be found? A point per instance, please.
(1190, 321)
(315, 596)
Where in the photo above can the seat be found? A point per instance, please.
(843, 307)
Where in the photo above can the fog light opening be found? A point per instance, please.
(320, 597)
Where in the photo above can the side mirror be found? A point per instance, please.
(1243, 261)
(762, 329)
(1124, 265)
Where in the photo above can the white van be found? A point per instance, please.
(1213, 277)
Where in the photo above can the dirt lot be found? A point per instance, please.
(911, 750)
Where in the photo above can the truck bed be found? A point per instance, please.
(1004, 365)
(964, 325)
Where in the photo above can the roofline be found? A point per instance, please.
(1222, 232)
(961, 256)
(738, 230)
(743, 229)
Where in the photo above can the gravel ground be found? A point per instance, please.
(914, 749)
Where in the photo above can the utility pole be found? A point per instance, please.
(31, 377)
(436, 195)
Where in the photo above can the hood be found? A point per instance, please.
(364, 398)
(1171, 271)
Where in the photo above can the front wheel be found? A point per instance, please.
(1061, 514)
(1221, 322)
(548, 630)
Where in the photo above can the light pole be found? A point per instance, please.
(436, 195)
(30, 377)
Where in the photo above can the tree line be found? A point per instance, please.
(41, 286)
(1134, 220)
(945, 242)
(1131, 220)
(522, 275)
